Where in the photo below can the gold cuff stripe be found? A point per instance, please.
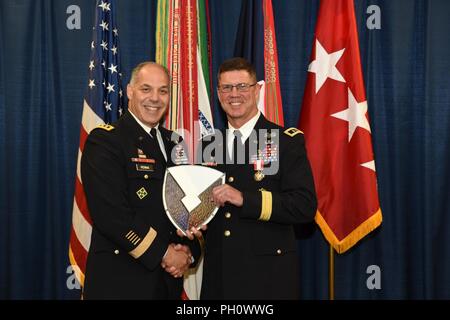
(266, 205)
(145, 244)
(129, 234)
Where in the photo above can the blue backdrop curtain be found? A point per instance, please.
(43, 75)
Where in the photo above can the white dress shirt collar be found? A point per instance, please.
(145, 127)
(245, 130)
(158, 133)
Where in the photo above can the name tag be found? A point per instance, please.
(145, 167)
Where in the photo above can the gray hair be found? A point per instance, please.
(144, 64)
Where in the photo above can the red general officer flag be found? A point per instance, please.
(335, 122)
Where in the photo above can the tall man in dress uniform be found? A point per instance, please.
(251, 250)
(135, 252)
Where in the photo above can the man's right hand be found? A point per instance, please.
(177, 259)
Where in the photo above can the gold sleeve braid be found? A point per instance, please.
(266, 205)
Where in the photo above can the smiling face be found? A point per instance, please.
(239, 106)
(148, 94)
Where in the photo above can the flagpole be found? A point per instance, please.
(331, 273)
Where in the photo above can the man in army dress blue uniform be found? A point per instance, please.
(135, 252)
(251, 250)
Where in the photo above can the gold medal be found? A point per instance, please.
(259, 175)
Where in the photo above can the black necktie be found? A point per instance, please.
(154, 136)
(153, 133)
(238, 148)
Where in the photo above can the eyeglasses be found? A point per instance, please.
(240, 87)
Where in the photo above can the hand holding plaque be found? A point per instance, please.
(187, 193)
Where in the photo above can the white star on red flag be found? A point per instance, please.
(369, 165)
(355, 114)
(325, 65)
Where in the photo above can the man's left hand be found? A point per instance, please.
(226, 193)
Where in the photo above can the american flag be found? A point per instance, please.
(103, 103)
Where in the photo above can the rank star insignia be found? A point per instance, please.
(142, 193)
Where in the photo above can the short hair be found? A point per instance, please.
(236, 64)
(144, 64)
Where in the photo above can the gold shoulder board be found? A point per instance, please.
(292, 132)
(106, 127)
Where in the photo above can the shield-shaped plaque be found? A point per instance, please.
(187, 193)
